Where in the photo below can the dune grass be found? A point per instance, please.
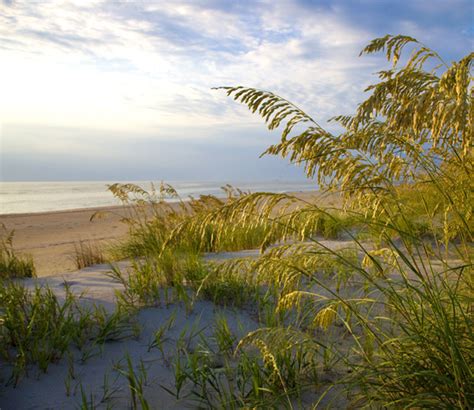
(407, 304)
(155, 224)
(391, 316)
(13, 265)
(37, 328)
(88, 253)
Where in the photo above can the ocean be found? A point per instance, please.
(28, 197)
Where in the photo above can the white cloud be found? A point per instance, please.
(143, 69)
(89, 65)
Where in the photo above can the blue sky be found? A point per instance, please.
(121, 90)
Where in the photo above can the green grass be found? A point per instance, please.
(137, 379)
(220, 374)
(181, 226)
(13, 265)
(399, 333)
(403, 302)
(227, 287)
(37, 328)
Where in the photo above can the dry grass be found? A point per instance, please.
(88, 253)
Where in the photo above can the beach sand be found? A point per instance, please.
(49, 237)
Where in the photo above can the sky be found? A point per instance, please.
(122, 90)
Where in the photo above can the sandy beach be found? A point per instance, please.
(49, 237)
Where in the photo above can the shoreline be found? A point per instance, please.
(118, 207)
(61, 211)
(50, 196)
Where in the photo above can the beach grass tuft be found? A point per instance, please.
(13, 265)
(38, 328)
(88, 253)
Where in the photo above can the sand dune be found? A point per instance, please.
(100, 373)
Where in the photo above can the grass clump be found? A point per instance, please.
(38, 328)
(87, 253)
(11, 264)
(154, 222)
(404, 166)
(160, 279)
(189, 225)
(227, 287)
(222, 373)
(137, 379)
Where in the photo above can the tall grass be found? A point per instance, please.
(401, 298)
(156, 224)
(405, 170)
